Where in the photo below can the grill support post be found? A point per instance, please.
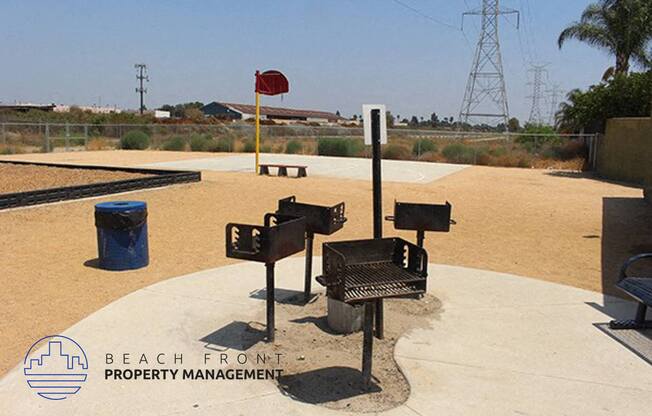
(269, 267)
(377, 202)
(368, 342)
(310, 236)
(421, 235)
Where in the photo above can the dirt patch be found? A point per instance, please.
(23, 178)
(323, 368)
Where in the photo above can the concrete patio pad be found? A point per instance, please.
(502, 345)
(337, 167)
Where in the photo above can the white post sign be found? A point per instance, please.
(366, 119)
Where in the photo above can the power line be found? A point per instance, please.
(141, 76)
(424, 15)
(433, 19)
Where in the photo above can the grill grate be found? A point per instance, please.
(378, 280)
(363, 270)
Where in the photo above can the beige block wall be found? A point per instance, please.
(625, 151)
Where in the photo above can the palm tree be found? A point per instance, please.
(622, 27)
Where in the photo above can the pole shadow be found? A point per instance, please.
(326, 385)
(237, 335)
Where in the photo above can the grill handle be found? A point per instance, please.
(322, 281)
(389, 218)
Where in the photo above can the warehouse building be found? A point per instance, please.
(232, 111)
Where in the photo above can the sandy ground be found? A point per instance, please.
(22, 178)
(324, 373)
(553, 226)
(112, 157)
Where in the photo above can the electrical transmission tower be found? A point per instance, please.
(486, 95)
(555, 94)
(538, 83)
(141, 76)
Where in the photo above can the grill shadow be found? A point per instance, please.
(237, 335)
(283, 296)
(326, 385)
(320, 322)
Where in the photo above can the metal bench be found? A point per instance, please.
(639, 288)
(283, 169)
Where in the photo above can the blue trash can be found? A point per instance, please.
(122, 235)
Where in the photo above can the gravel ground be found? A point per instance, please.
(22, 178)
(559, 227)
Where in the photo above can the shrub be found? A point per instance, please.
(98, 143)
(336, 146)
(249, 146)
(176, 143)
(396, 152)
(134, 140)
(422, 146)
(458, 153)
(265, 148)
(9, 150)
(294, 147)
(222, 145)
(200, 142)
(572, 149)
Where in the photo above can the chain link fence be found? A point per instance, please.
(481, 148)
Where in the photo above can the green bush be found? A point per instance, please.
(422, 146)
(567, 151)
(459, 153)
(200, 142)
(336, 146)
(176, 143)
(396, 152)
(221, 145)
(293, 147)
(249, 146)
(134, 140)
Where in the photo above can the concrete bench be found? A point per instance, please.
(639, 288)
(283, 169)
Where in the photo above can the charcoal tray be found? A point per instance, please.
(319, 219)
(421, 217)
(279, 237)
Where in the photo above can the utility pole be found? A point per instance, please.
(141, 76)
(536, 113)
(486, 95)
(555, 94)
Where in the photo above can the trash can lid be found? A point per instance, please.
(120, 206)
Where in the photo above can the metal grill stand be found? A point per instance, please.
(319, 220)
(421, 218)
(279, 237)
(364, 271)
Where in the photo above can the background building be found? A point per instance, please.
(288, 115)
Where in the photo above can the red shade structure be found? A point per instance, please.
(268, 83)
(271, 83)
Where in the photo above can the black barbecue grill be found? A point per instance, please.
(365, 270)
(279, 237)
(319, 220)
(421, 218)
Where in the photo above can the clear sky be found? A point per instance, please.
(337, 54)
